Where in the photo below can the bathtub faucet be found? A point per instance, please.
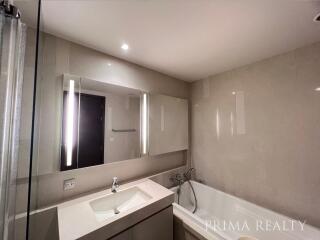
(177, 178)
(181, 178)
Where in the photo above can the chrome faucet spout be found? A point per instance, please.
(115, 185)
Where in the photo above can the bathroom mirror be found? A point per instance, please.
(100, 123)
(168, 124)
(89, 123)
(109, 123)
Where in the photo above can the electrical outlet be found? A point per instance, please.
(69, 184)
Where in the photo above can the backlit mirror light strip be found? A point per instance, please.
(144, 131)
(70, 123)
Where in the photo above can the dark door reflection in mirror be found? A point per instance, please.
(88, 148)
(91, 130)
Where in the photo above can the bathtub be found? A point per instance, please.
(221, 216)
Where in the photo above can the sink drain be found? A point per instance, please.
(116, 211)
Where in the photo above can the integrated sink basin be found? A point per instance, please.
(119, 202)
(104, 214)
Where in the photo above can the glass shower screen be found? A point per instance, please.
(12, 45)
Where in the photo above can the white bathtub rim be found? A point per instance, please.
(309, 230)
(214, 234)
(313, 228)
(179, 212)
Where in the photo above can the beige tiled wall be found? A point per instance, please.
(256, 133)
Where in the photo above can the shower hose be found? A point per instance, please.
(194, 194)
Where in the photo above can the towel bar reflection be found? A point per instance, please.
(124, 130)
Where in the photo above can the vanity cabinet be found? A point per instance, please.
(157, 227)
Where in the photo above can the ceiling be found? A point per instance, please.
(186, 39)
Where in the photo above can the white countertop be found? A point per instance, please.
(77, 220)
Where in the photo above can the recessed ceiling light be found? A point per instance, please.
(109, 64)
(317, 89)
(125, 46)
(233, 93)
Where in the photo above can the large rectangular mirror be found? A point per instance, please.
(95, 122)
(100, 123)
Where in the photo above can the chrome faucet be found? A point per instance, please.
(115, 185)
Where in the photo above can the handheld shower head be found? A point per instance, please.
(187, 174)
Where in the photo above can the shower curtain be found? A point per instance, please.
(12, 46)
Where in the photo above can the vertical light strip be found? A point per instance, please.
(70, 117)
(144, 123)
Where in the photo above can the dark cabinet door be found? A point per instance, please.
(126, 235)
(156, 227)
